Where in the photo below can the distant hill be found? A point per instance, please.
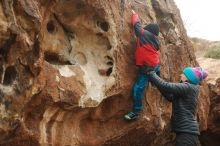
(206, 48)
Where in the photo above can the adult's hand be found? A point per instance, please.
(148, 69)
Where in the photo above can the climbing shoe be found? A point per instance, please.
(131, 116)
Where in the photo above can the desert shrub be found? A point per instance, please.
(213, 51)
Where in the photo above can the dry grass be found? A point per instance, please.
(208, 57)
(213, 51)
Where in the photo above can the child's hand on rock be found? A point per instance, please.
(133, 12)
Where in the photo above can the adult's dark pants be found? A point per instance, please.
(186, 139)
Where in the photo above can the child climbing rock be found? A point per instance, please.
(146, 56)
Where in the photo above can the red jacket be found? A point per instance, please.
(147, 45)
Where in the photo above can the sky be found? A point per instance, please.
(201, 18)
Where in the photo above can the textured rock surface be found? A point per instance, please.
(67, 70)
(210, 137)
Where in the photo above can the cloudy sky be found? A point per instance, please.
(201, 18)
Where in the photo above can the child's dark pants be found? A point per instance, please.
(138, 89)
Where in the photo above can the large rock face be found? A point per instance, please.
(211, 136)
(67, 71)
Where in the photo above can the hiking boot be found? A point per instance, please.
(131, 116)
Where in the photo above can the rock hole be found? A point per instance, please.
(55, 59)
(102, 72)
(109, 58)
(103, 25)
(104, 40)
(51, 57)
(99, 34)
(80, 58)
(51, 27)
(109, 47)
(109, 71)
(10, 75)
(109, 63)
